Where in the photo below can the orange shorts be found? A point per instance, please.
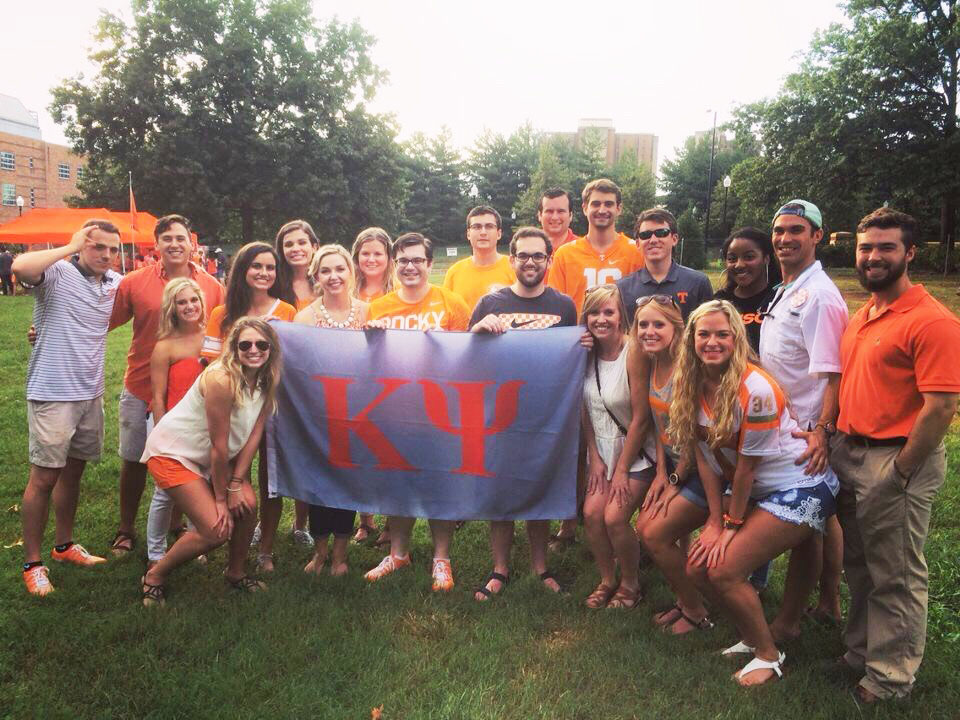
(168, 473)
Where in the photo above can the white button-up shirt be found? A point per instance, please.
(800, 340)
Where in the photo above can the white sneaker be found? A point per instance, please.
(255, 540)
(301, 537)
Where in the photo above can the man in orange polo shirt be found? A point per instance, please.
(486, 270)
(139, 297)
(898, 393)
(415, 304)
(603, 255)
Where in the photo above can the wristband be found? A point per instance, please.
(730, 524)
(230, 489)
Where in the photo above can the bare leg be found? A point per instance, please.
(338, 559)
(538, 534)
(802, 573)
(442, 532)
(243, 527)
(829, 602)
(270, 511)
(594, 507)
(623, 539)
(300, 512)
(133, 477)
(321, 549)
(400, 529)
(501, 540)
(35, 509)
(66, 493)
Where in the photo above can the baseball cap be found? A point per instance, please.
(801, 208)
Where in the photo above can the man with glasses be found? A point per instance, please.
(65, 384)
(528, 304)
(656, 235)
(415, 304)
(486, 270)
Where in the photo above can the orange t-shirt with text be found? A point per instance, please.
(440, 309)
(577, 267)
(471, 281)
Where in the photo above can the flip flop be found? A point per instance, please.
(122, 544)
(741, 648)
(758, 664)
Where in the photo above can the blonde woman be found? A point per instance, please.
(174, 366)
(202, 449)
(676, 504)
(334, 278)
(734, 418)
(615, 422)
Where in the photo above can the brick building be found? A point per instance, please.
(42, 173)
(600, 134)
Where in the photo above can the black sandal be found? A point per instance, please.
(547, 575)
(152, 595)
(117, 545)
(371, 531)
(499, 577)
(705, 624)
(246, 584)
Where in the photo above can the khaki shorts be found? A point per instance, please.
(132, 413)
(59, 430)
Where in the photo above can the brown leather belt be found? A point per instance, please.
(864, 441)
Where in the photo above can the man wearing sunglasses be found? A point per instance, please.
(656, 235)
(528, 304)
(485, 270)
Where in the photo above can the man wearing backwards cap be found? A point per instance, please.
(800, 348)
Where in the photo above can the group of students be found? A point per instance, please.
(701, 412)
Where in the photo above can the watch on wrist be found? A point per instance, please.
(673, 479)
(829, 428)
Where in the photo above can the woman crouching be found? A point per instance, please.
(202, 449)
(735, 419)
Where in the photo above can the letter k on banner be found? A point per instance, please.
(443, 425)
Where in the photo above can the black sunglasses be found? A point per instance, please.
(262, 345)
(659, 232)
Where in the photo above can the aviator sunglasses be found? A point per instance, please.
(659, 299)
(262, 345)
(659, 232)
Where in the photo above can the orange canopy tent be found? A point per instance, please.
(57, 225)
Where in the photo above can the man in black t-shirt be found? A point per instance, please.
(528, 304)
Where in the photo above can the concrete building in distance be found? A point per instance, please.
(41, 173)
(599, 133)
(723, 142)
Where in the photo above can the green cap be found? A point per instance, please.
(804, 209)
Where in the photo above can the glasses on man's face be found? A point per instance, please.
(537, 257)
(658, 299)
(404, 261)
(262, 345)
(477, 227)
(659, 232)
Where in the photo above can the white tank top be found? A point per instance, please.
(182, 434)
(615, 386)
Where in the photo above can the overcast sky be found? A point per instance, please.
(655, 67)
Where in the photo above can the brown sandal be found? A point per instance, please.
(599, 597)
(152, 595)
(122, 544)
(625, 598)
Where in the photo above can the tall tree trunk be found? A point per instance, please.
(246, 222)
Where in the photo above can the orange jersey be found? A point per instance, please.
(213, 337)
(577, 267)
(440, 309)
(472, 282)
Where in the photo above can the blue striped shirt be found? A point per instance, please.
(71, 312)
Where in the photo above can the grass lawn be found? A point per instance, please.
(337, 648)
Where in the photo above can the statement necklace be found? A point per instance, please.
(328, 318)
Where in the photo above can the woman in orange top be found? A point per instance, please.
(296, 244)
(373, 261)
(174, 365)
(252, 290)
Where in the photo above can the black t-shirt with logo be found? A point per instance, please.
(549, 309)
(751, 310)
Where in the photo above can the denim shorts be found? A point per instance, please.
(692, 490)
(810, 506)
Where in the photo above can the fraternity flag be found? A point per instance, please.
(444, 425)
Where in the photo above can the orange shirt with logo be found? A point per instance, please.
(140, 297)
(577, 267)
(440, 309)
(471, 281)
(891, 359)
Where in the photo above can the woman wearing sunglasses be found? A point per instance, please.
(676, 504)
(615, 422)
(733, 417)
(253, 289)
(201, 451)
(334, 277)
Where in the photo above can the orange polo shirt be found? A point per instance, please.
(440, 309)
(888, 361)
(139, 296)
(577, 267)
(472, 282)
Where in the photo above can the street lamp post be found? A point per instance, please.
(713, 148)
(19, 205)
(727, 182)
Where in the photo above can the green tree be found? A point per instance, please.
(244, 109)
(436, 203)
(555, 167)
(639, 190)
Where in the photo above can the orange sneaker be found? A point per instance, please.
(37, 581)
(76, 554)
(442, 575)
(388, 565)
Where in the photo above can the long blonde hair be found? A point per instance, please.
(688, 381)
(169, 322)
(268, 375)
(322, 252)
(381, 236)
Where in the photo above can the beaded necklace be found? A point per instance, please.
(330, 322)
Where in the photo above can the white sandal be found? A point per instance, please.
(741, 648)
(758, 664)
